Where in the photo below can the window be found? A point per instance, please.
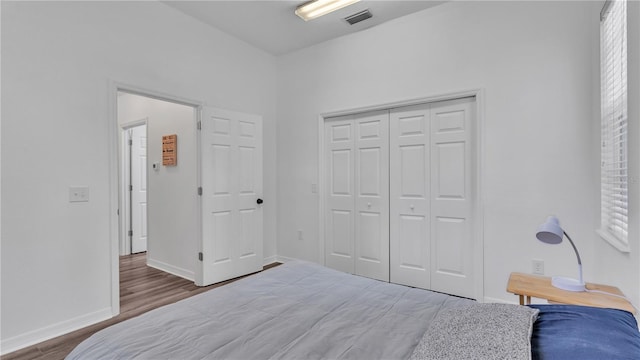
(613, 91)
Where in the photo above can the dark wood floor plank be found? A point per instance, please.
(142, 288)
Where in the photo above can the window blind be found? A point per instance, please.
(613, 70)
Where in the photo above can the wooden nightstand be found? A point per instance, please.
(540, 287)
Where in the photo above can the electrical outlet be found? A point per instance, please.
(537, 266)
(79, 194)
(300, 235)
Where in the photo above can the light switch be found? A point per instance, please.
(79, 194)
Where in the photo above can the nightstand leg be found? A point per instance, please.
(522, 302)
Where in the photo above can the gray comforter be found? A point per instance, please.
(297, 310)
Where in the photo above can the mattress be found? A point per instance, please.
(298, 310)
(301, 310)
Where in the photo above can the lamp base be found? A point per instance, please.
(567, 284)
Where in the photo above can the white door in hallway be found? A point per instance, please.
(231, 178)
(138, 188)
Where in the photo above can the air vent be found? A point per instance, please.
(357, 17)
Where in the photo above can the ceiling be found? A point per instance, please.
(273, 27)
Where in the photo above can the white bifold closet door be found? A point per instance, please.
(399, 195)
(431, 242)
(357, 194)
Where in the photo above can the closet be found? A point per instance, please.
(399, 195)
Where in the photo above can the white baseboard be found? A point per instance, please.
(174, 270)
(269, 260)
(515, 302)
(49, 332)
(488, 299)
(284, 259)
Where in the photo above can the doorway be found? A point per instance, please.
(181, 239)
(157, 205)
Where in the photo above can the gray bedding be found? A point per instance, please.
(297, 310)
(479, 331)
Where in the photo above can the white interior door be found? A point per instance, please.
(340, 194)
(432, 242)
(357, 194)
(231, 171)
(452, 197)
(138, 188)
(410, 196)
(372, 195)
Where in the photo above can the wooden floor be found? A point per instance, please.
(142, 288)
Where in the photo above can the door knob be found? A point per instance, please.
(259, 201)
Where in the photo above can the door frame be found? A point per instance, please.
(477, 137)
(115, 175)
(125, 172)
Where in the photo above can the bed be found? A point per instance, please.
(301, 310)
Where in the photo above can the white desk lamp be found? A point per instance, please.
(550, 232)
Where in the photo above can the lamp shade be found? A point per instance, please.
(550, 231)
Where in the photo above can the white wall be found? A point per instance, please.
(535, 62)
(57, 62)
(172, 209)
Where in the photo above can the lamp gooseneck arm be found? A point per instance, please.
(574, 247)
(577, 255)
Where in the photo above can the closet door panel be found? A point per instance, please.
(450, 180)
(372, 195)
(451, 204)
(410, 196)
(340, 194)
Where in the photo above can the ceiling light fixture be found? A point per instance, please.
(316, 8)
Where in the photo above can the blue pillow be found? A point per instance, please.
(583, 332)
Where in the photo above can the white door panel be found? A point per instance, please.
(431, 241)
(339, 223)
(410, 224)
(451, 204)
(356, 219)
(231, 171)
(372, 195)
(450, 170)
(138, 137)
(449, 242)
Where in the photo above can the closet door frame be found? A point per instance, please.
(478, 160)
